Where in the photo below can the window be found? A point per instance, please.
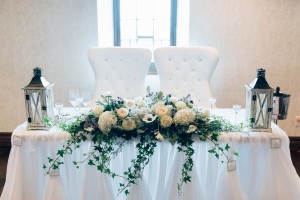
(145, 23)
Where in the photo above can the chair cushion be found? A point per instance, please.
(186, 70)
(119, 70)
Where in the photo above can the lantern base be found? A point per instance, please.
(269, 130)
(31, 128)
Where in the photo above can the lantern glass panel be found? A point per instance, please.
(49, 101)
(36, 107)
(248, 103)
(262, 109)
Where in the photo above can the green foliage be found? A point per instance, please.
(145, 149)
(149, 120)
(185, 146)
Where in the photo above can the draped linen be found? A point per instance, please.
(262, 172)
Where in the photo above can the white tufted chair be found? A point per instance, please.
(186, 70)
(120, 70)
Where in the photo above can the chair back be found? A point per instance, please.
(186, 70)
(120, 70)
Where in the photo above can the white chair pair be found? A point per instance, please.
(181, 71)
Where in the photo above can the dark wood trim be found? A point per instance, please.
(294, 143)
(5, 139)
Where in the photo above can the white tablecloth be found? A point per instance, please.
(262, 172)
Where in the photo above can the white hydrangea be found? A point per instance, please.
(140, 102)
(106, 121)
(184, 117)
(143, 111)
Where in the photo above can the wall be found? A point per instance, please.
(52, 34)
(251, 34)
(56, 34)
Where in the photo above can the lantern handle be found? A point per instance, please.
(37, 72)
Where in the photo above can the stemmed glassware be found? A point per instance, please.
(75, 99)
(59, 107)
(86, 98)
(212, 101)
(236, 108)
(73, 95)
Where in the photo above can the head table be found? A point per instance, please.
(262, 171)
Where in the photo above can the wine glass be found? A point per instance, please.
(78, 103)
(236, 108)
(212, 101)
(59, 107)
(86, 98)
(73, 95)
(75, 99)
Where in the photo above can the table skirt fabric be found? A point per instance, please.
(262, 172)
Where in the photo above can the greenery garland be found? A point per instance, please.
(152, 119)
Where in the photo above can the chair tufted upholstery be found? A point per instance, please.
(120, 70)
(186, 70)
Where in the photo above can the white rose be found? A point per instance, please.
(122, 112)
(159, 136)
(205, 113)
(180, 105)
(98, 110)
(157, 105)
(129, 103)
(161, 111)
(192, 128)
(166, 121)
(128, 124)
(173, 99)
(140, 102)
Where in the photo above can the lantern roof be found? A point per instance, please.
(279, 94)
(260, 82)
(38, 81)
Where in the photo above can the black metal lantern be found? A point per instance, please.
(280, 105)
(38, 101)
(259, 103)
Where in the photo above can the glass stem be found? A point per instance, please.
(235, 117)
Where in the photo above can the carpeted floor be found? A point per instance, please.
(296, 160)
(3, 164)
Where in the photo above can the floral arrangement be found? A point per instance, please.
(114, 121)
